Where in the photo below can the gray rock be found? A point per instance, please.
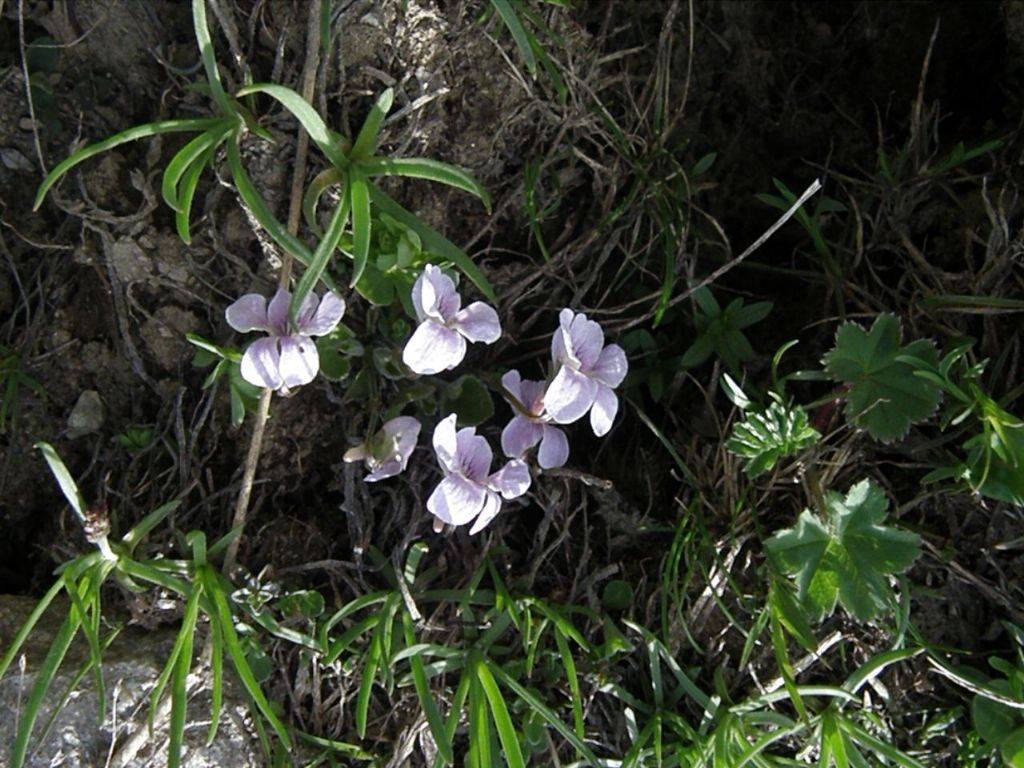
(77, 739)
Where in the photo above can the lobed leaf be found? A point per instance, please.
(884, 397)
(845, 557)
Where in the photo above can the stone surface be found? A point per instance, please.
(132, 663)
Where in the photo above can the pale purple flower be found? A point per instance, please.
(468, 492)
(529, 426)
(439, 343)
(588, 371)
(387, 453)
(284, 359)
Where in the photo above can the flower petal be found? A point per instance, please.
(328, 314)
(570, 395)
(261, 364)
(389, 468)
(554, 448)
(478, 322)
(446, 299)
(519, 436)
(587, 340)
(606, 405)
(511, 381)
(561, 342)
(457, 500)
(492, 506)
(473, 454)
(433, 348)
(277, 313)
(299, 360)
(446, 443)
(611, 366)
(248, 313)
(512, 480)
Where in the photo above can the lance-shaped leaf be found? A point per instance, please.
(884, 397)
(846, 556)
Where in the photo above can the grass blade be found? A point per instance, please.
(179, 678)
(519, 33)
(308, 118)
(499, 712)
(430, 709)
(423, 168)
(216, 680)
(131, 134)
(29, 625)
(479, 724)
(574, 683)
(366, 684)
(44, 676)
(546, 713)
(215, 591)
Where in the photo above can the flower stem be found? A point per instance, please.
(252, 458)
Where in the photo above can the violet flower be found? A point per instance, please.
(468, 492)
(439, 343)
(284, 359)
(588, 371)
(529, 428)
(387, 453)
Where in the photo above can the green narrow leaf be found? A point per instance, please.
(316, 188)
(179, 679)
(317, 267)
(31, 621)
(574, 683)
(359, 194)
(499, 711)
(81, 602)
(214, 590)
(189, 184)
(67, 483)
(254, 200)
(216, 679)
(366, 141)
(373, 657)
(128, 135)
(423, 168)
(545, 713)
(430, 709)
(519, 33)
(308, 118)
(186, 158)
(479, 723)
(209, 57)
(44, 676)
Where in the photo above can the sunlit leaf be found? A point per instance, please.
(846, 555)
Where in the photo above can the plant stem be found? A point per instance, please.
(252, 458)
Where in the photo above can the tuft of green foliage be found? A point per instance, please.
(720, 331)
(764, 438)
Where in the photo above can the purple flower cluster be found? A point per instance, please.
(585, 373)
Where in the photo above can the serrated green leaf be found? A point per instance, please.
(846, 557)
(885, 397)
